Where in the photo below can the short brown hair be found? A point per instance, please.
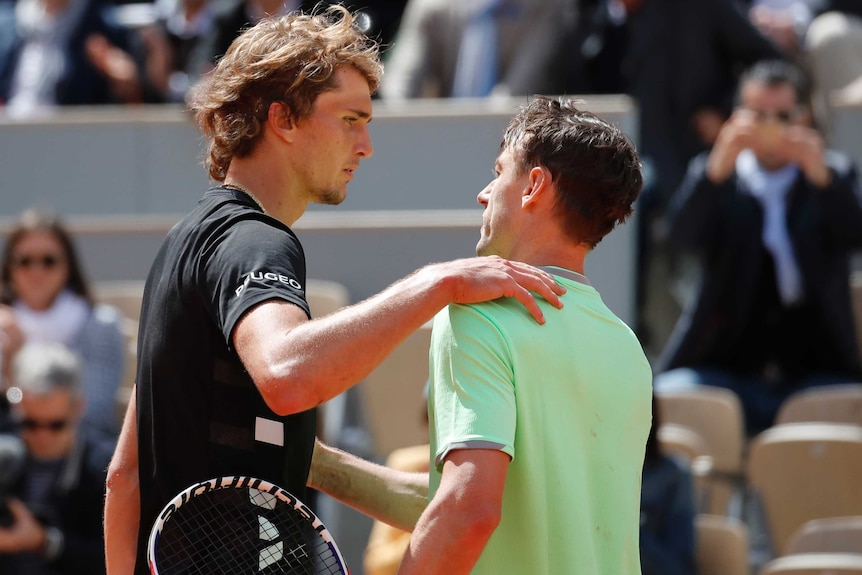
(290, 59)
(594, 166)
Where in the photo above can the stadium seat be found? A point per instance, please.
(126, 297)
(805, 471)
(833, 403)
(815, 564)
(682, 441)
(715, 414)
(393, 397)
(325, 297)
(829, 535)
(722, 545)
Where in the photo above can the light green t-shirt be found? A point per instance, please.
(570, 402)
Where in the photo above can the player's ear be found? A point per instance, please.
(538, 181)
(279, 119)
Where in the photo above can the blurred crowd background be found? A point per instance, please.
(746, 279)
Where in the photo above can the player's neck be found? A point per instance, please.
(268, 187)
(570, 258)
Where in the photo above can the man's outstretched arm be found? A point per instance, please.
(298, 364)
(389, 495)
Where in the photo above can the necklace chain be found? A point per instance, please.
(236, 187)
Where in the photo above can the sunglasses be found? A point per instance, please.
(48, 261)
(53, 425)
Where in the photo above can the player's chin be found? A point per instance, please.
(484, 248)
(332, 197)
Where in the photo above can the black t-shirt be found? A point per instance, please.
(199, 413)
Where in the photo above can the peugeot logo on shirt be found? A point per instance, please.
(260, 276)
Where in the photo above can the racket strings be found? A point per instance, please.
(236, 532)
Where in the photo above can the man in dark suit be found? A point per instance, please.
(680, 61)
(775, 217)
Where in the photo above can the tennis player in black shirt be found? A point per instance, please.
(230, 364)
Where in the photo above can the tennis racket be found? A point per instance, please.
(240, 526)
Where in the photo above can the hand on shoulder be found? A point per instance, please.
(486, 278)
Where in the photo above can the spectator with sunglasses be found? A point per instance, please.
(44, 297)
(775, 217)
(54, 523)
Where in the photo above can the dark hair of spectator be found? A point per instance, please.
(774, 73)
(37, 221)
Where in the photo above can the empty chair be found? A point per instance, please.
(325, 297)
(805, 471)
(126, 297)
(682, 441)
(829, 535)
(722, 545)
(685, 443)
(715, 414)
(832, 403)
(393, 394)
(815, 564)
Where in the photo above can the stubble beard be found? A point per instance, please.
(330, 197)
(483, 246)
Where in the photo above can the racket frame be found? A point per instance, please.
(236, 482)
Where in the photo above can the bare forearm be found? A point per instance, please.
(389, 495)
(445, 542)
(122, 514)
(122, 501)
(466, 510)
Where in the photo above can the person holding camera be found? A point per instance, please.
(53, 515)
(775, 217)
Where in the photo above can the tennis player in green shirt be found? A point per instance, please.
(537, 432)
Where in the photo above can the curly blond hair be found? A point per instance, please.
(290, 59)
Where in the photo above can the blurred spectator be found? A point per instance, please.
(235, 17)
(384, 18)
(681, 64)
(380, 19)
(64, 52)
(44, 297)
(668, 511)
(834, 46)
(775, 218)
(183, 24)
(785, 21)
(55, 514)
(680, 61)
(458, 48)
